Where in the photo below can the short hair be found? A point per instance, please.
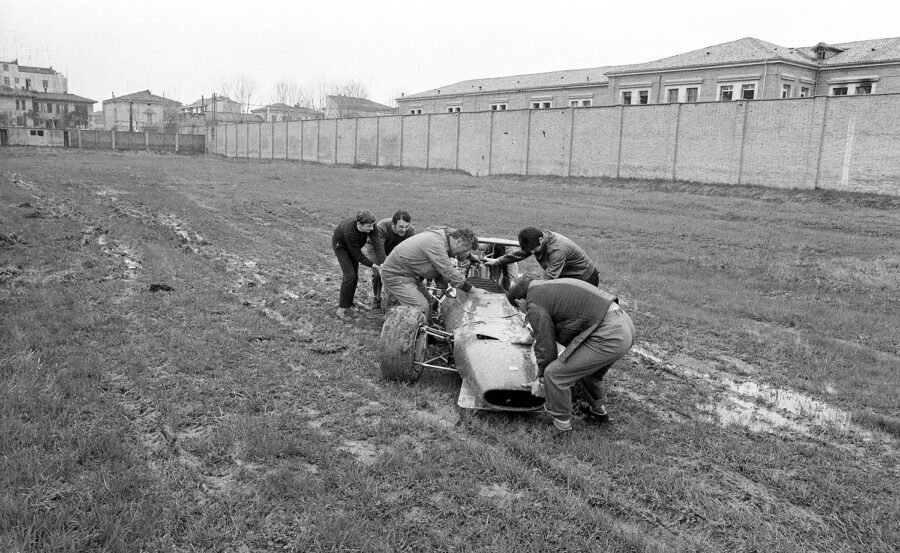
(519, 288)
(365, 217)
(465, 235)
(401, 215)
(530, 238)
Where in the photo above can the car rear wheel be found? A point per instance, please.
(402, 343)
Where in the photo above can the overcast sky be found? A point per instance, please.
(185, 49)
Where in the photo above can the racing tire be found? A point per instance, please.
(402, 343)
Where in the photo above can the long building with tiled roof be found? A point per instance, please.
(743, 69)
(140, 111)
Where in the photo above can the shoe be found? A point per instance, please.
(562, 425)
(343, 313)
(597, 411)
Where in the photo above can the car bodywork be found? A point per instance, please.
(483, 337)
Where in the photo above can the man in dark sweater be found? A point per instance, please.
(388, 233)
(556, 254)
(348, 240)
(589, 323)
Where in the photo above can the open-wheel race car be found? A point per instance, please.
(482, 337)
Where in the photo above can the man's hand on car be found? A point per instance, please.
(537, 387)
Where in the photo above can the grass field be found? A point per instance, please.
(173, 377)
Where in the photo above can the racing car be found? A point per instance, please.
(482, 337)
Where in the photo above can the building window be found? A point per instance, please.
(785, 90)
(748, 91)
(540, 105)
(579, 103)
(27, 84)
(839, 91)
(46, 84)
(6, 81)
(626, 97)
(672, 95)
(6, 67)
(692, 94)
(643, 97)
(415, 111)
(57, 108)
(16, 80)
(454, 109)
(498, 107)
(726, 93)
(149, 118)
(49, 107)
(804, 91)
(864, 88)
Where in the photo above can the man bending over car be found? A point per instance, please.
(595, 331)
(426, 256)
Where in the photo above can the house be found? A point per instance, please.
(284, 112)
(348, 106)
(208, 106)
(38, 97)
(140, 111)
(744, 69)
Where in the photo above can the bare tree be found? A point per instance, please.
(240, 89)
(286, 92)
(315, 95)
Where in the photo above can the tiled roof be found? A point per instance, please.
(862, 51)
(571, 77)
(280, 106)
(361, 104)
(143, 96)
(45, 70)
(744, 50)
(57, 96)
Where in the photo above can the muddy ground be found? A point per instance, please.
(193, 298)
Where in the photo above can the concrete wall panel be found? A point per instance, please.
(390, 138)
(327, 136)
(253, 140)
(221, 137)
(231, 140)
(240, 141)
(709, 142)
(346, 141)
(442, 140)
(415, 141)
(367, 140)
(775, 138)
(295, 140)
(265, 140)
(475, 142)
(509, 142)
(131, 140)
(595, 142)
(96, 139)
(279, 140)
(549, 141)
(861, 145)
(310, 140)
(648, 142)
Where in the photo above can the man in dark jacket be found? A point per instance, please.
(388, 233)
(556, 254)
(589, 323)
(348, 240)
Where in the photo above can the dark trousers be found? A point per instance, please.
(376, 284)
(350, 270)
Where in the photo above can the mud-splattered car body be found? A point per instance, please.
(481, 336)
